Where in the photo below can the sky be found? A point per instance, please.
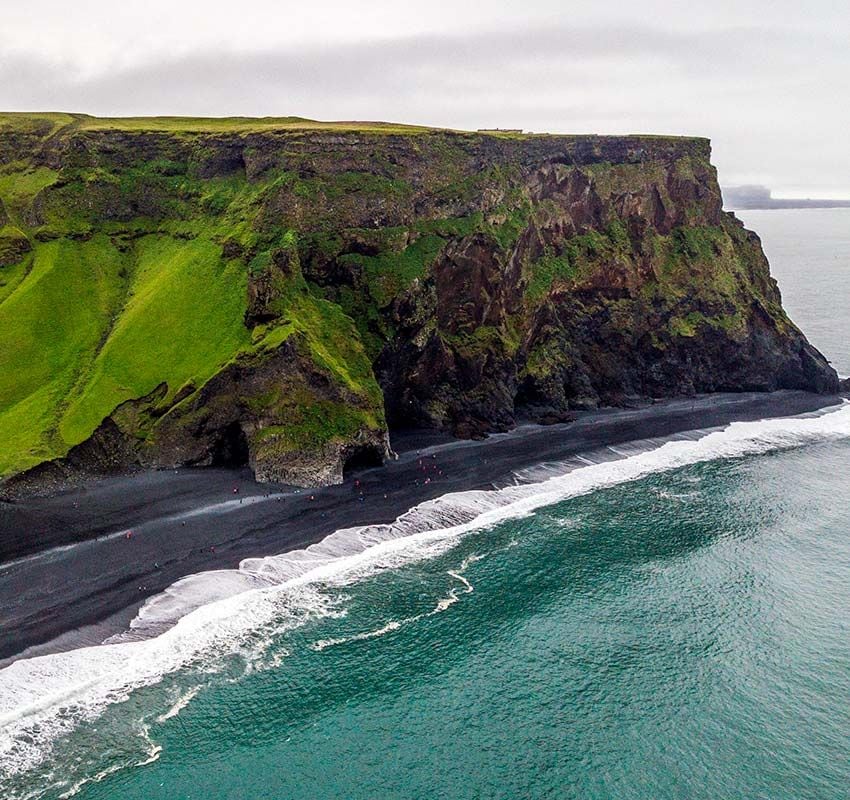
(766, 80)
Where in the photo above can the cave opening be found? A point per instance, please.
(361, 458)
(231, 447)
(527, 398)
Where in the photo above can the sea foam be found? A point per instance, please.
(204, 617)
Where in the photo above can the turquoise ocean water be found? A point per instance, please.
(671, 624)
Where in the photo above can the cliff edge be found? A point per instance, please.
(280, 292)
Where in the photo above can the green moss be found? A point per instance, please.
(345, 183)
(451, 226)
(14, 245)
(689, 326)
(483, 340)
(614, 179)
(387, 275)
(314, 423)
(697, 243)
(19, 186)
(507, 233)
(381, 279)
(618, 236)
(547, 271)
(546, 357)
(685, 326)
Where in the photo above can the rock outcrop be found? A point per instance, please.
(272, 411)
(280, 294)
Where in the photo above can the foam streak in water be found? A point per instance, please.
(443, 604)
(203, 617)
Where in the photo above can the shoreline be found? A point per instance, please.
(88, 578)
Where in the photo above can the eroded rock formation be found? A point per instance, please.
(280, 295)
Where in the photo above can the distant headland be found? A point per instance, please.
(759, 197)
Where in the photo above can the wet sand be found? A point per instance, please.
(75, 567)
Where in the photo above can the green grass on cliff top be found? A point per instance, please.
(52, 122)
(48, 123)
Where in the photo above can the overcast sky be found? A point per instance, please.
(767, 80)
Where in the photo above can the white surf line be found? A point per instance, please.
(537, 473)
(46, 697)
(462, 509)
(97, 778)
(224, 507)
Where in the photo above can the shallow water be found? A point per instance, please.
(675, 623)
(671, 624)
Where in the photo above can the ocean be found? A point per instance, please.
(669, 621)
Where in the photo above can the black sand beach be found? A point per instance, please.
(75, 567)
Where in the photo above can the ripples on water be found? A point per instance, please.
(680, 634)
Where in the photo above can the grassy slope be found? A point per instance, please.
(110, 310)
(182, 321)
(88, 324)
(62, 372)
(44, 352)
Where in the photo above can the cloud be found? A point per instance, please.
(750, 88)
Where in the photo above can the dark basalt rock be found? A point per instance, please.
(473, 352)
(108, 451)
(14, 245)
(266, 285)
(489, 278)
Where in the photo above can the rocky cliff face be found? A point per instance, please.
(281, 292)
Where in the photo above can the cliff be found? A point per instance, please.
(279, 292)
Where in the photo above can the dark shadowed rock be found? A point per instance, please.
(400, 278)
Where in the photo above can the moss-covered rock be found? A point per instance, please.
(278, 291)
(14, 245)
(290, 416)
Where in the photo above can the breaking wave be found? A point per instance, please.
(203, 618)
